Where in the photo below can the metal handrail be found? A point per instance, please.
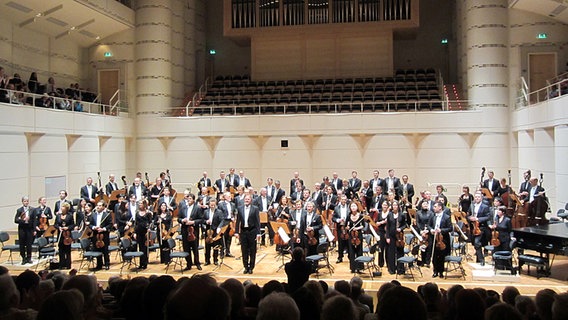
(552, 91)
(197, 96)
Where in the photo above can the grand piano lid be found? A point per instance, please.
(559, 230)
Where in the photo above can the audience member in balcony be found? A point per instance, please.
(51, 88)
(13, 96)
(33, 84)
(3, 78)
(45, 101)
(17, 82)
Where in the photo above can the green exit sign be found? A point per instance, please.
(445, 41)
(542, 36)
(212, 52)
(108, 54)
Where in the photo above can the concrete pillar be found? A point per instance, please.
(178, 56)
(487, 52)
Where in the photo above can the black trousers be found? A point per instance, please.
(383, 250)
(354, 252)
(64, 255)
(26, 239)
(268, 227)
(478, 243)
(142, 247)
(438, 259)
(341, 246)
(393, 253)
(191, 247)
(215, 246)
(106, 257)
(248, 248)
(426, 255)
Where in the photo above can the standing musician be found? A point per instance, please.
(190, 217)
(221, 185)
(80, 215)
(204, 182)
(282, 209)
(440, 193)
(423, 217)
(376, 201)
(354, 182)
(348, 190)
(479, 215)
(138, 189)
(329, 199)
(504, 226)
(306, 196)
(336, 182)
(109, 188)
(24, 219)
(392, 183)
(89, 192)
(381, 220)
(271, 190)
(64, 223)
(279, 192)
(263, 204)
(213, 217)
(41, 214)
(157, 191)
(229, 210)
(317, 195)
(311, 227)
(101, 222)
(525, 187)
(491, 183)
(248, 232)
(166, 179)
(440, 223)
(293, 182)
(163, 221)
(366, 195)
(297, 193)
(232, 178)
(396, 223)
(143, 222)
(376, 181)
(406, 192)
(297, 218)
(239, 198)
(123, 216)
(62, 199)
(503, 188)
(340, 215)
(465, 200)
(355, 226)
(168, 200)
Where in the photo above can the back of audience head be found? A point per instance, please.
(64, 304)
(198, 298)
(502, 311)
(27, 283)
(469, 305)
(316, 290)
(343, 287)
(155, 295)
(307, 304)
(272, 286)
(395, 302)
(509, 294)
(382, 289)
(9, 295)
(253, 294)
(526, 306)
(338, 307)
(544, 300)
(298, 254)
(278, 306)
(560, 307)
(236, 291)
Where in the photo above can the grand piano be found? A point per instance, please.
(548, 240)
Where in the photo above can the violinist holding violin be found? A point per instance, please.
(101, 222)
(440, 226)
(190, 218)
(503, 226)
(396, 223)
(310, 228)
(297, 218)
(340, 215)
(143, 221)
(423, 217)
(64, 223)
(355, 224)
(381, 219)
(163, 221)
(478, 217)
(41, 216)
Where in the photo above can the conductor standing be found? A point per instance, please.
(248, 231)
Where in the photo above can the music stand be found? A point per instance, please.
(284, 233)
(218, 247)
(264, 220)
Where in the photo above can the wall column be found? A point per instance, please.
(153, 57)
(487, 52)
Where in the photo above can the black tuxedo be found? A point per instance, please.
(248, 230)
(504, 228)
(279, 194)
(380, 182)
(355, 184)
(205, 182)
(479, 241)
(317, 198)
(232, 180)
(222, 185)
(25, 221)
(228, 215)
(85, 192)
(57, 206)
(336, 218)
(64, 250)
(106, 223)
(171, 202)
(258, 203)
(110, 187)
(409, 190)
(195, 215)
(293, 184)
(271, 192)
(317, 225)
(445, 229)
(395, 184)
(337, 184)
(36, 215)
(245, 182)
(494, 186)
(394, 252)
(328, 198)
(143, 191)
(525, 186)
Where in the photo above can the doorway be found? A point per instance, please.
(542, 67)
(108, 83)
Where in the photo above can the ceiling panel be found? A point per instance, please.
(555, 9)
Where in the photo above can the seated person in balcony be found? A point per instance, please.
(51, 88)
(3, 78)
(33, 84)
(45, 101)
(17, 82)
(13, 96)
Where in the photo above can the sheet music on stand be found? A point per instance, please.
(283, 235)
(328, 233)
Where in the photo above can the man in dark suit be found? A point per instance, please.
(317, 195)
(491, 183)
(221, 185)
(232, 178)
(25, 221)
(336, 182)
(408, 190)
(263, 204)
(329, 200)
(168, 200)
(354, 182)
(138, 189)
(366, 193)
(248, 232)
(376, 200)
(311, 223)
(376, 181)
(62, 199)
(204, 182)
(525, 187)
(391, 183)
(340, 215)
(479, 213)
(293, 181)
(42, 211)
(190, 215)
(101, 222)
(297, 218)
(279, 192)
(270, 190)
(229, 210)
(242, 180)
(89, 191)
(440, 223)
(111, 185)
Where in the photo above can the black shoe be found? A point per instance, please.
(216, 263)
(339, 261)
(229, 255)
(441, 275)
(246, 271)
(482, 263)
(98, 268)
(271, 242)
(435, 275)
(207, 263)
(250, 271)
(358, 271)
(107, 267)
(187, 268)
(24, 261)
(199, 267)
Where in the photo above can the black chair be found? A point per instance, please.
(455, 261)
(321, 259)
(45, 251)
(368, 257)
(409, 261)
(88, 255)
(129, 257)
(176, 257)
(5, 237)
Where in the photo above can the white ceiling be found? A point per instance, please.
(555, 9)
(62, 19)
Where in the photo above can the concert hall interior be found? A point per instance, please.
(437, 92)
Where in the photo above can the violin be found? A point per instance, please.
(355, 240)
(312, 240)
(190, 234)
(440, 244)
(343, 234)
(495, 237)
(476, 230)
(100, 241)
(296, 236)
(209, 236)
(399, 239)
(67, 240)
(42, 223)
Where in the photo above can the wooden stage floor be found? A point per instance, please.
(268, 265)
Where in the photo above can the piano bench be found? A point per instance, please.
(532, 260)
